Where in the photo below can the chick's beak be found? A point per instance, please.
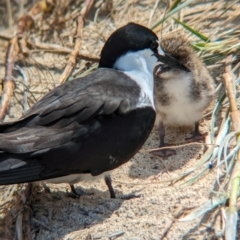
(170, 61)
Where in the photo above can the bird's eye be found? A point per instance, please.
(154, 45)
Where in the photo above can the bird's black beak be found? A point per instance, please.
(171, 61)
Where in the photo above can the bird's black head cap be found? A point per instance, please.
(129, 38)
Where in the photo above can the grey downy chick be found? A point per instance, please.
(181, 96)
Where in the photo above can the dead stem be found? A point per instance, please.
(8, 81)
(55, 48)
(25, 83)
(231, 213)
(22, 225)
(41, 224)
(116, 235)
(152, 13)
(19, 230)
(72, 59)
(5, 36)
(9, 10)
(27, 225)
(25, 23)
(177, 145)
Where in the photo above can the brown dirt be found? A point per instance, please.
(154, 215)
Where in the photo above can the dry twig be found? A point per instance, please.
(19, 230)
(231, 213)
(9, 10)
(8, 81)
(55, 48)
(24, 24)
(41, 224)
(72, 59)
(23, 227)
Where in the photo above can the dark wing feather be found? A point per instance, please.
(102, 85)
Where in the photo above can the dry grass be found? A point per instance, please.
(212, 28)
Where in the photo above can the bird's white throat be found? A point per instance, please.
(139, 67)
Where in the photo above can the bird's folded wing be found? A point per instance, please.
(106, 88)
(64, 111)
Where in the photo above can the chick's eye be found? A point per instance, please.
(154, 45)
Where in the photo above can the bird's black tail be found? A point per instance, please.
(14, 169)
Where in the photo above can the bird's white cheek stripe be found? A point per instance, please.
(160, 51)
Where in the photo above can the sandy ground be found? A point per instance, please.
(153, 215)
(148, 217)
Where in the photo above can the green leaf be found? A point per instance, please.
(175, 10)
(174, 5)
(193, 31)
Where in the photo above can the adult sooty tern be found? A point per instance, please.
(91, 125)
(181, 96)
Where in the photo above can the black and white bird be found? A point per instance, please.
(181, 96)
(89, 126)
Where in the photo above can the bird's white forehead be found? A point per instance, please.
(160, 50)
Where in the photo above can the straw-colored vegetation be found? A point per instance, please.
(37, 49)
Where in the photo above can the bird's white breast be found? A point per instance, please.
(75, 178)
(182, 110)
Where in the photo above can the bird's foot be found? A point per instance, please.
(77, 193)
(46, 188)
(130, 196)
(197, 136)
(167, 152)
(108, 181)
